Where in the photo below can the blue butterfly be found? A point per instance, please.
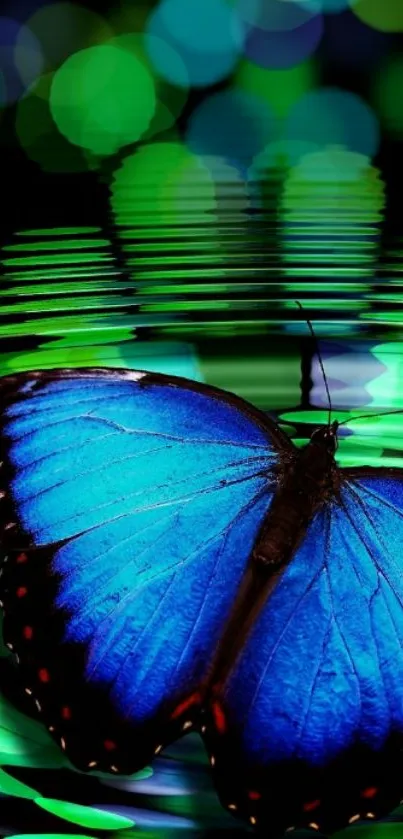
(173, 562)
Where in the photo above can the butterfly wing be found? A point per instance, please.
(131, 505)
(308, 728)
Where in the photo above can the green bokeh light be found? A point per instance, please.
(387, 92)
(170, 99)
(38, 134)
(280, 88)
(385, 15)
(102, 98)
(64, 28)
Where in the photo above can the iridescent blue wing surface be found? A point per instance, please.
(308, 727)
(131, 505)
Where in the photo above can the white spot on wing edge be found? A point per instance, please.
(354, 818)
(134, 375)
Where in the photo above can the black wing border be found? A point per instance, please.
(357, 472)
(10, 390)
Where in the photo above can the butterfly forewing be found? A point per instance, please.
(132, 503)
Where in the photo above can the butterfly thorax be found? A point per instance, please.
(304, 485)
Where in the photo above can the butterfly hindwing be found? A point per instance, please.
(132, 505)
(308, 728)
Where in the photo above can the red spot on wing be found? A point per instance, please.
(109, 745)
(219, 718)
(311, 805)
(44, 675)
(21, 591)
(369, 792)
(22, 558)
(66, 712)
(180, 709)
(27, 632)
(254, 795)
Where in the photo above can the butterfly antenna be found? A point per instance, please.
(371, 416)
(312, 331)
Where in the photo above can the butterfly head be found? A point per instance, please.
(326, 437)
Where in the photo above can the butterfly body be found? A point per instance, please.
(307, 481)
(172, 561)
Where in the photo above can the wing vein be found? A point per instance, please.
(374, 494)
(133, 594)
(166, 503)
(349, 656)
(77, 475)
(286, 625)
(142, 432)
(202, 607)
(367, 547)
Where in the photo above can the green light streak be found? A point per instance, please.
(68, 244)
(196, 305)
(390, 297)
(84, 816)
(327, 246)
(42, 289)
(330, 257)
(79, 324)
(58, 231)
(332, 230)
(10, 786)
(75, 303)
(271, 288)
(351, 288)
(183, 306)
(56, 259)
(190, 216)
(338, 328)
(58, 273)
(179, 247)
(193, 259)
(299, 214)
(176, 232)
(328, 302)
(385, 317)
(322, 271)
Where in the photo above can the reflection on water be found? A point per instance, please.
(199, 249)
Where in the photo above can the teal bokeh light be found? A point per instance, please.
(275, 15)
(324, 6)
(329, 116)
(231, 124)
(206, 34)
(21, 60)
